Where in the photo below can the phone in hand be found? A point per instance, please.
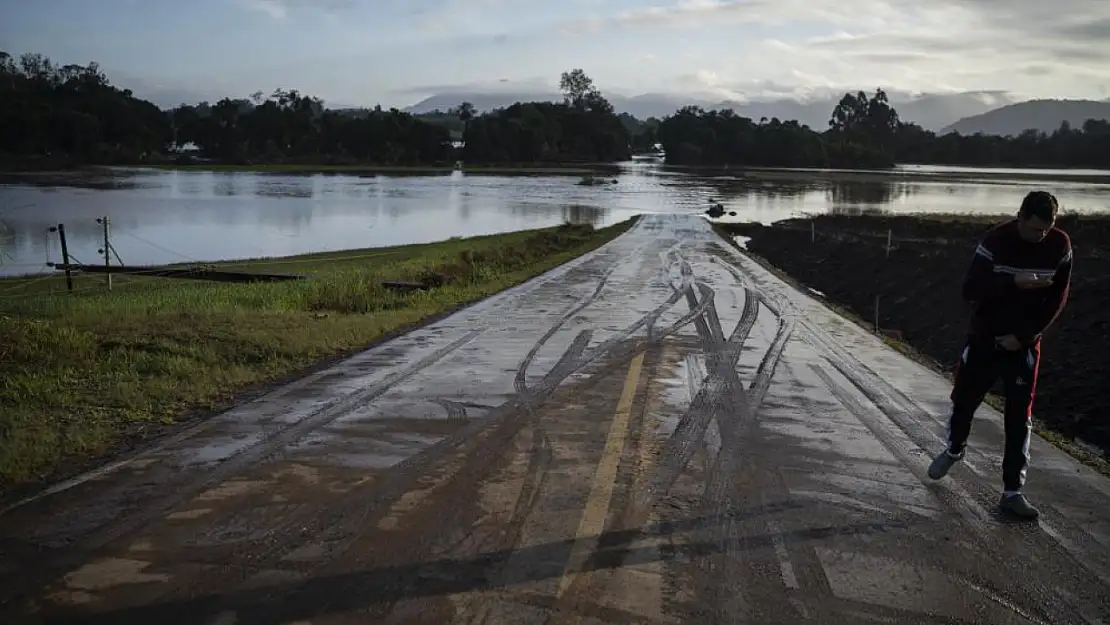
(1034, 279)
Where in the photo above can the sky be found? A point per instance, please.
(396, 52)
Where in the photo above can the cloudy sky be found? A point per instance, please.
(395, 52)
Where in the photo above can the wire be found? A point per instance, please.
(25, 282)
(159, 247)
(159, 271)
(65, 293)
(114, 252)
(296, 261)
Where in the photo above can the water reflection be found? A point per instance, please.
(583, 214)
(170, 216)
(870, 197)
(736, 188)
(845, 194)
(287, 188)
(224, 187)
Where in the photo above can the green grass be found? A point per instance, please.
(82, 373)
(502, 169)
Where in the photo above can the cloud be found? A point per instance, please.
(942, 45)
(701, 13)
(280, 9)
(1094, 30)
(446, 16)
(502, 85)
(744, 50)
(169, 93)
(274, 8)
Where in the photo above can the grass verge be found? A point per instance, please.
(1093, 460)
(84, 374)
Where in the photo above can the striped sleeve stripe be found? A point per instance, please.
(1067, 257)
(1016, 270)
(984, 252)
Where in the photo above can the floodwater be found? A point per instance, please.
(174, 216)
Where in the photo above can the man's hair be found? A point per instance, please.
(1039, 204)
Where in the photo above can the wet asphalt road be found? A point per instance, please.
(659, 432)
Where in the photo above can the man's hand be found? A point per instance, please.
(1009, 342)
(1030, 280)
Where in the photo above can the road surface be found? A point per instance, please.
(659, 432)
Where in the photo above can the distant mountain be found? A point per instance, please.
(930, 111)
(1043, 115)
(481, 101)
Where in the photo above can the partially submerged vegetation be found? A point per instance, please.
(82, 374)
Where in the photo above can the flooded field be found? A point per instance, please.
(179, 216)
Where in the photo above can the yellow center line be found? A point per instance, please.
(601, 493)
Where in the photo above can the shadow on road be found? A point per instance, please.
(380, 588)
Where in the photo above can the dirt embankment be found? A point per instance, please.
(918, 286)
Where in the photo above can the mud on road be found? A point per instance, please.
(658, 432)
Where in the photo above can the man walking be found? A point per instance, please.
(1017, 285)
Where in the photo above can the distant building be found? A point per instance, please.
(188, 148)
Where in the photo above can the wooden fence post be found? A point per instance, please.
(61, 230)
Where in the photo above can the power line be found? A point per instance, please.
(158, 247)
(29, 281)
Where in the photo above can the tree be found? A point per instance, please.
(882, 120)
(53, 114)
(579, 91)
(465, 114)
(71, 113)
(576, 87)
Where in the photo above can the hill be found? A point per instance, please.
(1043, 115)
(931, 111)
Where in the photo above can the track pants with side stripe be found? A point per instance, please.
(980, 365)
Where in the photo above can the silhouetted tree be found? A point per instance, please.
(51, 115)
(465, 113)
(583, 128)
(867, 132)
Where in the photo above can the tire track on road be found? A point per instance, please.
(898, 409)
(904, 417)
(903, 450)
(478, 440)
(256, 555)
(691, 428)
(723, 399)
(722, 571)
(183, 490)
(362, 506)
(341, 526)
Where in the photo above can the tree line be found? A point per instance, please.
(53, 115)
(55, 112)
(865, 131)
